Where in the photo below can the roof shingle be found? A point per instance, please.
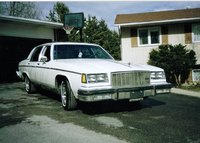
(157, 16)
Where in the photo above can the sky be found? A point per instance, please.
(107, 10)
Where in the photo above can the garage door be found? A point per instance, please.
(12, 51)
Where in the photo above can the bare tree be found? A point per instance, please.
(20, 9)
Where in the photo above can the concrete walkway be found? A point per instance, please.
(185, 92)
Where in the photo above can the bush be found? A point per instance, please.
(175, 60)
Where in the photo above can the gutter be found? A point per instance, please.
(30, 21)
(157, 22)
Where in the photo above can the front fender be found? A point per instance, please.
(22, 75)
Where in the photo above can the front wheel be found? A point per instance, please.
(67, 97)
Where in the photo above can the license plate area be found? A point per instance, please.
(136, 94)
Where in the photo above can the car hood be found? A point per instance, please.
(148, 67)
(95, 66)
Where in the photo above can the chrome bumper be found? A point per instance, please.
(130, 93)
(19, 74)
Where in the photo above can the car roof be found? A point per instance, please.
(68, 43)
(65, 43)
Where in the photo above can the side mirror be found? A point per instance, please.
(43, 59)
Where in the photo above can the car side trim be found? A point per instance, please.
(50, 69)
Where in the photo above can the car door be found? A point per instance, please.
(43, 70)
(33, 63)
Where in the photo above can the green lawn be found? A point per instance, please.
(191, 88)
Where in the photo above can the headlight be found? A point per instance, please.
(158, 75)
(94, 78)
(91, 78)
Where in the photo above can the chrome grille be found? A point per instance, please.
(130, 79)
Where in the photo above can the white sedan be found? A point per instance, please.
(86, 72)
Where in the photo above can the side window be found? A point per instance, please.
(35, 55)
(47, 52)
(143, 36)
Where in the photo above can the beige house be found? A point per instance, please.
(142, 32)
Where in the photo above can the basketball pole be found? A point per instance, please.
(81, 34)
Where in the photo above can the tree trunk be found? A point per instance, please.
(178, 79)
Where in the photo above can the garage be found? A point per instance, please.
(17, 38)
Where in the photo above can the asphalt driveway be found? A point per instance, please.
(40, 118)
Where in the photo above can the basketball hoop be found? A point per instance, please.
(68, 29)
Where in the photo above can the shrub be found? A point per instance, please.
(175, 60)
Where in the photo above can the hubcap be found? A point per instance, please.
(27, 84)
(63, 94)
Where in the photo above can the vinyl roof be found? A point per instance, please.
(161, 16)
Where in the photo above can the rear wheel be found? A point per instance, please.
(67, 97)
(29, 87)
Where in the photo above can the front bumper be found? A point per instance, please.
(130, 93)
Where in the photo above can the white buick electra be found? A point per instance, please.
(86, 72)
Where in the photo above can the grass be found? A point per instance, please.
(191, 88)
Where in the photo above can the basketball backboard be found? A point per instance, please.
(75, 20)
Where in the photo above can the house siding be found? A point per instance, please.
(130, 52)
(196, 48)
(170, 34)
(126, 52)
(176, 34)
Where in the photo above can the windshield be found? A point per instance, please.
(80, 51)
